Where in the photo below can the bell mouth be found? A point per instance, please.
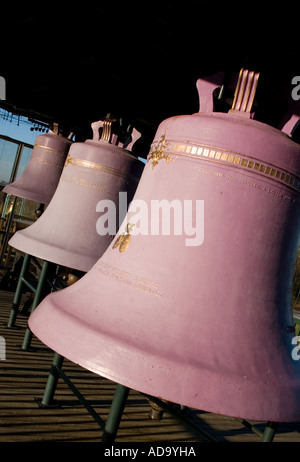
(26, 193)
(120, 354)
(56, 252)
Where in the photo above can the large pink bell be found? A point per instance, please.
(95, 170)
(197, 311)
(40, 178)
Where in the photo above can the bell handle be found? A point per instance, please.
(106, 135)
(95, 127)
(55, 128)
(291, 117)
(244, 93)
(290, 121)
(206, 88)
(135, 135)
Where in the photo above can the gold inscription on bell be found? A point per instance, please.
(130, 280)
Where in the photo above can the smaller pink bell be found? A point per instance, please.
(95, 170)
(39, 180)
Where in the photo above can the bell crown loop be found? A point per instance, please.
(245, 93)
(243, 99)
(112, 130)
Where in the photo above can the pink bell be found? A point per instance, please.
(192, 300)
(39, 180)
(66, 233)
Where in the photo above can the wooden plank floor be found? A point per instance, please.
(23, 376)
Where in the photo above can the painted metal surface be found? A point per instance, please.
(208, 326)
(40, 178)
(66, 233)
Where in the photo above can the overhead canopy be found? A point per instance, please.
(74, 63)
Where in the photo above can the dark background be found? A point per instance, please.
(73, 63)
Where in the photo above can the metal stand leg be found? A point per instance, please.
(18, 293)
(269, 432)
(36, 300)
(52, 381)
(115, 414)
(56, 373)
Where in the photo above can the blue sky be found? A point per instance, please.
(17, 128)
(9, 127)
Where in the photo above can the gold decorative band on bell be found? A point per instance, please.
(37, 145)
(99, 167)
(216, 155)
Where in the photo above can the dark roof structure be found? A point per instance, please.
(74, 63)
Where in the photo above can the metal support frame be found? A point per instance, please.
(111, 426)
(52, 381)
(118, 404)
(121, 394)
(40, 291)
(267, 435)
(117, 407)
(115, 414)
(18, 293)
(12, 178)
(269, 432)
(37, 298)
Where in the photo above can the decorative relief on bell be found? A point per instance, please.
(123, 240)
(158, 152)
(69, 160)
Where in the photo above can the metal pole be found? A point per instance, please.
(18, 293)
(38, 295)
(82, 399)
(16, 163)
(269, 432)
(6, 235)
(115, 414)
(52, 380)
(10, 218)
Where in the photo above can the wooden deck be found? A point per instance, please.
(23, 376)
